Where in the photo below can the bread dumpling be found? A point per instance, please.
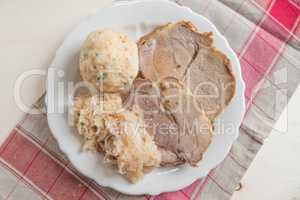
(109, 61)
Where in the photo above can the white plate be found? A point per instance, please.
(136, 18)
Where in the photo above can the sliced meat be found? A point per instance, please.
(182, 134)
(178, 51)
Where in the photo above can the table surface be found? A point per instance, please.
(32, 30)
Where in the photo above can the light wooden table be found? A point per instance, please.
(31, 31)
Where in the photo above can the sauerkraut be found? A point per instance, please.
(120, 134)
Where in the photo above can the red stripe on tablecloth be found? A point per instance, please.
(251, 77)
(39, 171)
(203, 185)
(15, 152)
(19, 156)
(20, 153)
(8, 140)
(22, 179)
(188, 191)
(286, 13)
(41, 143)
(42, 171)
(67, 187)
(65, 164)
(94, 186)
(261, 52)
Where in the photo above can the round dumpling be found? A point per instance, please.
(109, 60)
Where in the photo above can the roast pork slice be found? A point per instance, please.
(181, 131)
(179, 51)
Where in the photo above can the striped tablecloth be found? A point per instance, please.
(264, 34)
